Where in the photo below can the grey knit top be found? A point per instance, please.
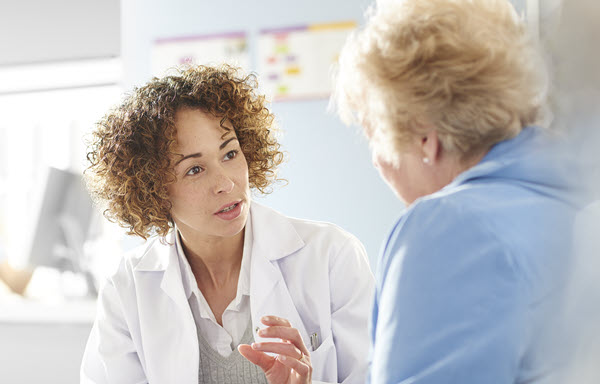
(233, 369)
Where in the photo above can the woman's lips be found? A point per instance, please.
(232, 213)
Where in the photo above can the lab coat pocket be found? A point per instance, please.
(324, 361)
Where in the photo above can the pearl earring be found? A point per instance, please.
(426, 160)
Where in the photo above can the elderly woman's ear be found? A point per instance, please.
(430, 147)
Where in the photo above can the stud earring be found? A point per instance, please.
(426, 160)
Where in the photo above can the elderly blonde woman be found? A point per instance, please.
(225, 290)
(448, 92)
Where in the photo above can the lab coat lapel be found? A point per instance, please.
(172, 283)
(184, 356)
(163, 257)
(274, 237)
(187, 361)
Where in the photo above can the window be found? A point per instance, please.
(45, 112)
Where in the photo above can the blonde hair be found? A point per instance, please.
(467, 67)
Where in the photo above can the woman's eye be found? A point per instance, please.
(194, 170)
(231, 154)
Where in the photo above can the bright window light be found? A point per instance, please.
(46, 112)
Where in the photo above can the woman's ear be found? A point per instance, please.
(430, 147)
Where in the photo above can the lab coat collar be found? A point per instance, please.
(158, 254)
(161, 256)
(274, 235)
(172, 283)
(279, 240)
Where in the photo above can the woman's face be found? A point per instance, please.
(211, 196)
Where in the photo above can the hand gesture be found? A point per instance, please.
(291, 365)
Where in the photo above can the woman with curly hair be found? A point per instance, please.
(470, 279)
(220, 276)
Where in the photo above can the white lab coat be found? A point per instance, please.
(313, 274)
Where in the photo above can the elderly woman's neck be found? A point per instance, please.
(452, 165)
(463, 164)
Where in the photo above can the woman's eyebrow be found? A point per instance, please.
(224, 144)
(199, 154)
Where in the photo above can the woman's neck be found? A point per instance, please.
(215, 262)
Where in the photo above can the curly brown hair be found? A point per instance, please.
(131, 148)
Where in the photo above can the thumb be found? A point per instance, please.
(264, 361)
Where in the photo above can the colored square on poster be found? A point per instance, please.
(295, 62)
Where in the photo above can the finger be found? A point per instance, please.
(279, 332)
(285, 333)
(302, 368)
(264, 361)
(274, 321)
(279, 348)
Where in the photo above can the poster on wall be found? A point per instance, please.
(294, 63)
(212, 49)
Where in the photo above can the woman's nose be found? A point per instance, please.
(223, 183)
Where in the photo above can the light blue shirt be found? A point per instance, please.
(469, 278)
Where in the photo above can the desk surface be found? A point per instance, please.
(45, 302)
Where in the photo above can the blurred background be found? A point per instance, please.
(64, 63)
